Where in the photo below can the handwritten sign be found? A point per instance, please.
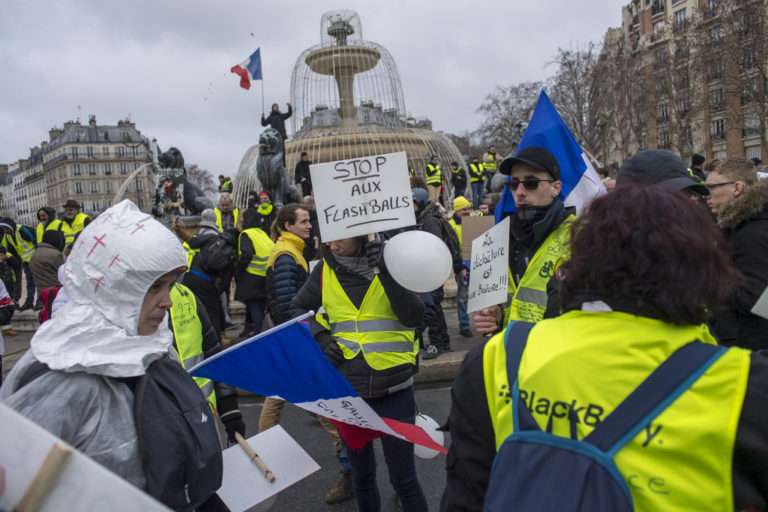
(488, 274)
(362, 196)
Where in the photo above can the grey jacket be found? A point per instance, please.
(45, 265)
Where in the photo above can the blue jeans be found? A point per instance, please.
(255, 310)
(398, 455)
(477, 194)
(462, 289)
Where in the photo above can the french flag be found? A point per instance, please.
(581, 183)
(286, 362)
(249, 69)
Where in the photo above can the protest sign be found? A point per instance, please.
(488, 274)
(362, 196)
(243, 485)
(472, 226)
(82, 484)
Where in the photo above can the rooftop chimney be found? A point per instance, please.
(92, 121)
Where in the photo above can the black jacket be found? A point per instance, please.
(431, 220)
(473, 448)
(301, 176)
(249, 287)
(406, 305)
(745, 224)
(459, 178)
(284, 279)
(276, 120)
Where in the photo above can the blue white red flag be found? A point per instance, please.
(286, 362)
(581, 183)
(249, 69)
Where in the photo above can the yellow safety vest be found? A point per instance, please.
(456, 228)
(475, 172)
(591, 362)
(54, 225)
(262, 248)
(434, 175)
(527, 300)
(265, 209)
(24, 249)
(489, 164)
(71, 230)
(373, 329)
(188, 335)
(226, 187)
(191, 253)
(235, 216)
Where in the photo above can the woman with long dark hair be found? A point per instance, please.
(648, 267)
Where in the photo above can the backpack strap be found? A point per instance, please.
(660, 389)
(33, 371)
(515, 340)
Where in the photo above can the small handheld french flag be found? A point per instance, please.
(249, 69)
(581, 183)
(286, 362)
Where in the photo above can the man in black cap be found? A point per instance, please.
(660, 167)
(697, 167)
(539, 240)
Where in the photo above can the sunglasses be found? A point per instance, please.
(711, 186)
(528, 183)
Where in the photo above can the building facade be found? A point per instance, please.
(687, 75)
(87, 163)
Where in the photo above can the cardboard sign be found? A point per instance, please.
(362, 196)
(472, 226)
(82, 483)
(488, 274)
(244, 486)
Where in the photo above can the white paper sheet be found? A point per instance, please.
(245, 486)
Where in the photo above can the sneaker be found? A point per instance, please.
(431, 352)
(342, 490)
(466, 333)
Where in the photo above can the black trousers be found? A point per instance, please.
(438, 329)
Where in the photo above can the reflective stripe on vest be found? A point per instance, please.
(434, 175)
(188, 335)
(528, 298)
(590, 362)
(262, 248)
(235, 216)
(24, 248)
(475, 172)
(373, 329)
(71, 230)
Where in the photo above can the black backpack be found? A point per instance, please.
(178, 437)
(538, 471)
(216, 257)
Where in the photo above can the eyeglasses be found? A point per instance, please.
(528, 183)
(711, 186)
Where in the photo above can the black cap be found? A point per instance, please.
(659, 167)
(535, 157)
(697, 159)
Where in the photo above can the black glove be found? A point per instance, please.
(233, 422)
(374, 252)
(333, 353)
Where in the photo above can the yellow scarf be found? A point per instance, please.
(288, 243)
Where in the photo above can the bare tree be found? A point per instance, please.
(577, 93)
(202, 178)
(506, 112)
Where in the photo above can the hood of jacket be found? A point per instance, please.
(111, 267)
(751, 205)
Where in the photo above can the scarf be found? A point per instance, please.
(356, 264)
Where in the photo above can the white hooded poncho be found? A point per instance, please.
(112, 265)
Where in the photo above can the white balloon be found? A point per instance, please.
(429, 426)
(418, 261)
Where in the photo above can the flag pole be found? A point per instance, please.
(262, 97)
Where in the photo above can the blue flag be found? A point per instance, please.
(581, 183)
(249, 69)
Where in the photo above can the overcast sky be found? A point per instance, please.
(166, 63)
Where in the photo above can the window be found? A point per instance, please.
(92, 169)
(105, 150)
(717, 129)
(748, 58)
(78, 170)
(715, 70)
(123, 168)
(751, 125)
(681, 49)
(661, 86)
(716, 98)
(141, 203)
(660, 57)
(662, 112)
(664, 138)
(108, 187)
(657, 6)
(89, 151)
(134, 151)
(715, 36)
(94, 187)
(679, 19)
(74, 152)
(710, 8)
(139, 186)
(120, 151)
(78, 188)
(657, 30)
(107, 169)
